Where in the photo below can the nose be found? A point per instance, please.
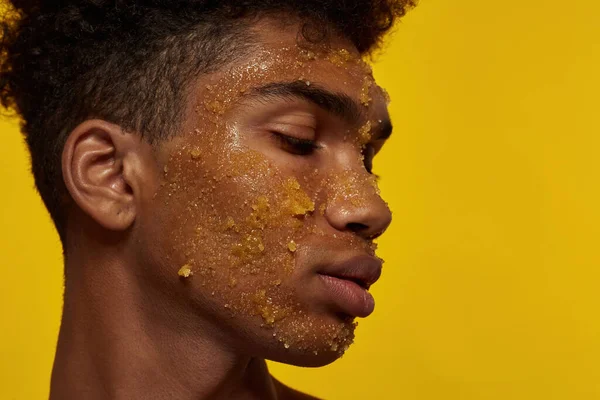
(360, 210)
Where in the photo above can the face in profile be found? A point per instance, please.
(264, 221)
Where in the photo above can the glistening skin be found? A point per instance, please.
(247, 236)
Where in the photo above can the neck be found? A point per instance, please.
(121, 341)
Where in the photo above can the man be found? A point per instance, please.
(208, 168)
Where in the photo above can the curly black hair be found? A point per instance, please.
(128, 62)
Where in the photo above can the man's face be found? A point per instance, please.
(264, 220)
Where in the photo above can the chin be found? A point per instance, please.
(310, 341)
(303, 358)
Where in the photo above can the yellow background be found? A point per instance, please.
(490, 290)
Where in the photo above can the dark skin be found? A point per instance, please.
(191, 261)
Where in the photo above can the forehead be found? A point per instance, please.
(282, 54)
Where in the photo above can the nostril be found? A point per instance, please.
(357, 227)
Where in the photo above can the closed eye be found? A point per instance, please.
(295, 145)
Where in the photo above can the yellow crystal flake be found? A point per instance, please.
(307, 55)
(260, 213)
(322, 208)
(296, 200)
(250, 246)
(292, 246)
(185, 271)
(339, 57)
(195, 153)
(365, 97)
(269, 311)
(229, 224)
(374, 184)
(232, 281)
(364, 133)
(215, 106)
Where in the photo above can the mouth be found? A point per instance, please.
(347, 284)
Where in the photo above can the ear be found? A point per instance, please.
(103, 173)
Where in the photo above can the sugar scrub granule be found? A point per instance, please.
(322, 208)
(374, 184)
(247, 161)
(195, 153)
(365, 96)
(215, 106)
(292, 246)
(250, 247)
(262, 204)
(260, 215)
(339, 57)
(296, 200)
(307, 55)
(269, 311)
(366, 66)
(185, 271)
(364, 133)
(229, 224)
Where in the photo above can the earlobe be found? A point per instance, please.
(95, 165)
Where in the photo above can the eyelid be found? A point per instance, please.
(298, 122)
(301, 132)
(295, 145)
(294, 139)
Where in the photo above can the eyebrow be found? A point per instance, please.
(338, 104)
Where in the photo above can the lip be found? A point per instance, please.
(347, 284)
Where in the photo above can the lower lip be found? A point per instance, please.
(349, 296)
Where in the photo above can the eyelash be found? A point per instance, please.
(294, 145)
(306, 147)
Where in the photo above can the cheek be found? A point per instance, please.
(236, 222)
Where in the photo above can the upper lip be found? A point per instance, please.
(363, 270)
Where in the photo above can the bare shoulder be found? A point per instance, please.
(287, 393)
